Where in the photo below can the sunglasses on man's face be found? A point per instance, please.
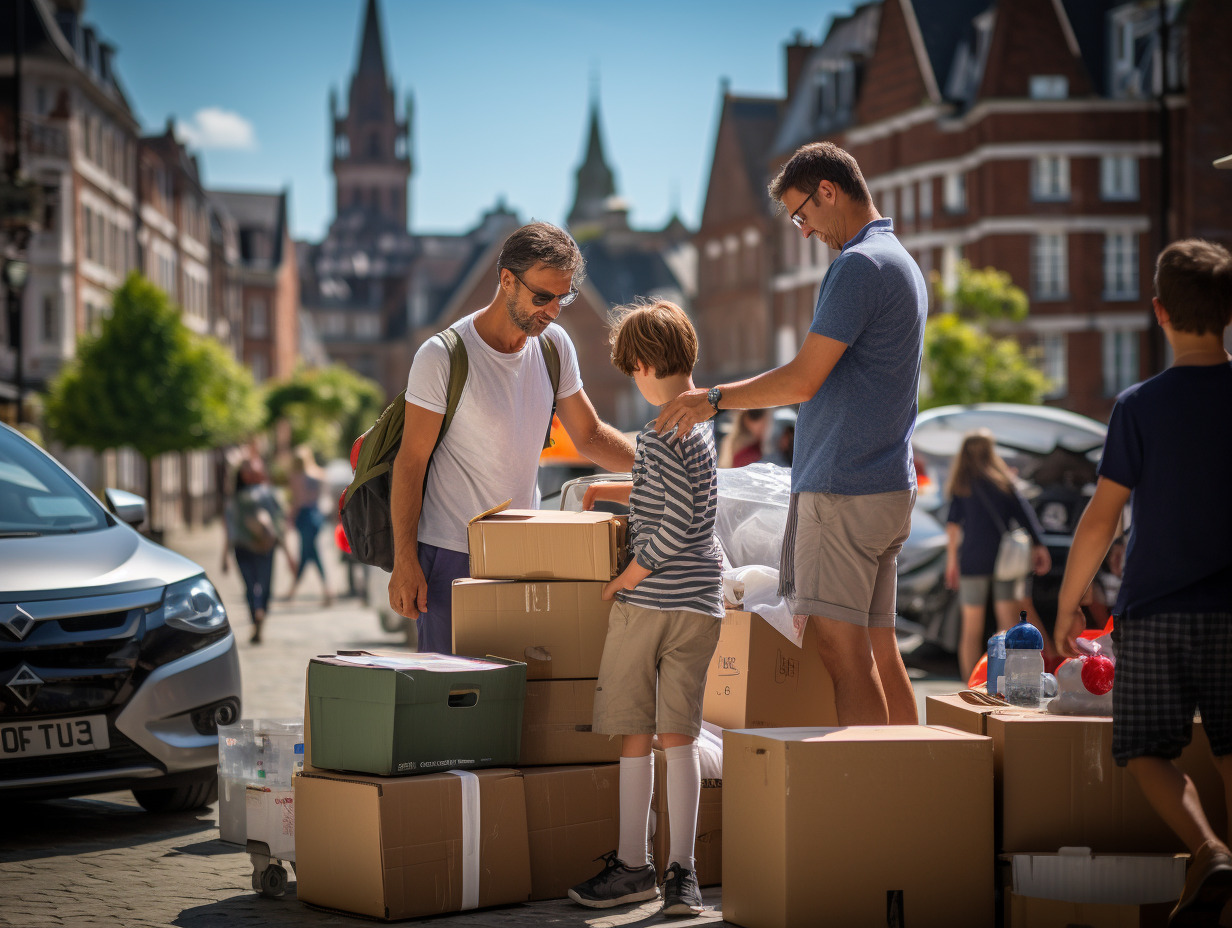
(543, 298)
(796, 219)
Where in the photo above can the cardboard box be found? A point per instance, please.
(759, 679)
(572, 817)
(270, 819)
(708, 848)
(556, 726)
(1074, 874)
(869, 825)
(1028, 912)
(413, 713)
(557, 627)
(1056, 784)
(405, 847)
(543, 544)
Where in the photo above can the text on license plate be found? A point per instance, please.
(53, 736)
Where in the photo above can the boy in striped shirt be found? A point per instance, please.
(664, 626)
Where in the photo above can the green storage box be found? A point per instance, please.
(414, 713)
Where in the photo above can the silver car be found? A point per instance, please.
(117, 663)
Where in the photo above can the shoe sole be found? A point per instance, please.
(652, 893)
(1214, 893)
(683, 909)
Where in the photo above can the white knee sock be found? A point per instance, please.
(636, 786)
(684, 791)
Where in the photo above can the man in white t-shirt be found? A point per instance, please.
(491, 451)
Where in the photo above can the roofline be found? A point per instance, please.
(921, 51)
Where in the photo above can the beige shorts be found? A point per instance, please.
(653, 672)
(840, 555)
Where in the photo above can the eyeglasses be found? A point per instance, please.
(796, 219)
(542, 297)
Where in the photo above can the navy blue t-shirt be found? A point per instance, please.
(977, 555)
(1170, 442)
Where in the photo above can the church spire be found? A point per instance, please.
(595, 181)
(371, 51)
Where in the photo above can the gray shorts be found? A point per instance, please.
(973, 591)
(653, 672)
(840, 555)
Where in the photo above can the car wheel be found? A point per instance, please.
(178, 798)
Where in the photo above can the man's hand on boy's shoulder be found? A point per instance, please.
(684, 412)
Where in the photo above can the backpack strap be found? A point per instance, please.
(551, 360)
(459, 367)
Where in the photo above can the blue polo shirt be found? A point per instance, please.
(854, 436)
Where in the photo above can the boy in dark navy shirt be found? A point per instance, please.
(1168, 455)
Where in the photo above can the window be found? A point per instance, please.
(1050, 267)
(906, 200)
(1049, 87)
(259, 364)
(1120, 360)
(88, 224)
(1050, 177)
(926, 198)
(1118, 177)
(955, 192)
(1120, 266)
(366, 325)
(258, 320)
(1055, 349)
(887, 203)
(50, 323)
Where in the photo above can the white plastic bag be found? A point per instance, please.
(755, 588)
(752, 513)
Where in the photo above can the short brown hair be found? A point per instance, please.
(542, 243)
(656, 334)
(820, 161)
(1193, 280)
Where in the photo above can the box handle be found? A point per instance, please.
(463, 699)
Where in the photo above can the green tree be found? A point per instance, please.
(326, 407)
(147, 382)
(963, 362)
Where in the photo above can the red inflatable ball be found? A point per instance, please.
(340, 540)
(1097, 673)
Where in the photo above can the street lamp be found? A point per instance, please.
(15, 274)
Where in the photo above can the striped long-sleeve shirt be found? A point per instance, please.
(671, 522)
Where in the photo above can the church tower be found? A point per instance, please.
(596, 185)
(372, 149)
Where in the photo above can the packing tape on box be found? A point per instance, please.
(470, 838)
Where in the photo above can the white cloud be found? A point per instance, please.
(214, 127)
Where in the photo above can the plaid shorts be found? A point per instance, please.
(1167, 666)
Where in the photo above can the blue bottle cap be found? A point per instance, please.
(1024, 637)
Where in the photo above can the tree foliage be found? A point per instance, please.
(148, 382)
(326, 407)
(963, 362)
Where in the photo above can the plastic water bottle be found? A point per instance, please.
(1024, 664)
(996, 664)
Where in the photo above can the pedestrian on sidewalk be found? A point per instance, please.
(490, 452)
(984, 502)
(305, 481)
(857, 378)
(664, 626)
(1167, 456)
(255, 530)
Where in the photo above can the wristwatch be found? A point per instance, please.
(713, 395)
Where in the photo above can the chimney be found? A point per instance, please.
(797, 53)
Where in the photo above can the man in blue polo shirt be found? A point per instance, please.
(853, 479)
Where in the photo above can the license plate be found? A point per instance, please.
(53, 736)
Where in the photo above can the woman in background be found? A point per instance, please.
(255, 524)
(984, 501)
(742, 443)
(305, 483)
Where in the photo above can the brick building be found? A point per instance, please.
(1029, 135)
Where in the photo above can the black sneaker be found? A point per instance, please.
(616, 884)
(681, 895)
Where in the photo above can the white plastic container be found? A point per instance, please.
(254, 752)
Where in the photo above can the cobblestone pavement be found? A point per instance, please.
(102, 861)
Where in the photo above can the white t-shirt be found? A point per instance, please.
(491, 451)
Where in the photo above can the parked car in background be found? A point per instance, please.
(117, 662)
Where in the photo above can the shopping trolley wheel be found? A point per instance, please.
(270, 882)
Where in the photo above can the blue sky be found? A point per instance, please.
(500, 89)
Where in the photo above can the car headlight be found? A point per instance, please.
(194, 606)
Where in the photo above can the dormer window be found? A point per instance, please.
(1049, 87)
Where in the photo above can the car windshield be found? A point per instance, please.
(37, 497)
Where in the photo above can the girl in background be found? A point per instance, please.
(742, 443)
(983, 502)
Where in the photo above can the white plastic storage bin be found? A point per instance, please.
(254, 752)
